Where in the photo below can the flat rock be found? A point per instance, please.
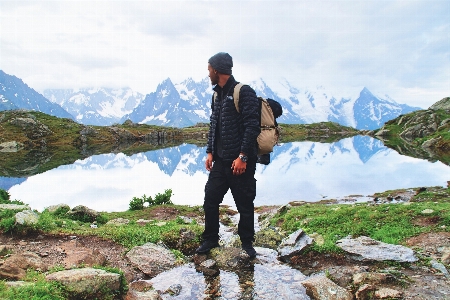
(294, 244)
(320, 287)
(151, 258)
(84, 280)
(366, 249)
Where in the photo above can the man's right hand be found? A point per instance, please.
(209, 161)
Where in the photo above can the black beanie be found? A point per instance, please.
(222, 62)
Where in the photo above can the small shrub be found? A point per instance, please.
(136, 204)
(163, 198)
(4, 196)
(102, 219)
(7, 224)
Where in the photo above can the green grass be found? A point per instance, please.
(36, 288)
(389, 223)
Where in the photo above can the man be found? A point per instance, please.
(231, 154)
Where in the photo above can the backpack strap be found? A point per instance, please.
(237, 89)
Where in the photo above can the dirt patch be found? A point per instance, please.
(431, 243)
(51, 250)
(426, 221)
(164, 213)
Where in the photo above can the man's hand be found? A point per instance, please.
(209, 162)
(238, 166)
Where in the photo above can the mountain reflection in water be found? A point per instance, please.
(308, 171)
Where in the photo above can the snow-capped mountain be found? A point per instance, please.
(15, 94)
(189, 102)
(96, 106)
(177, 105)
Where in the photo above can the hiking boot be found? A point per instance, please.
(248, 248)
(206, 246)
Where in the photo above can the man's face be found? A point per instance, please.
(213, 75)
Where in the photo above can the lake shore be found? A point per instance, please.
(417, 218)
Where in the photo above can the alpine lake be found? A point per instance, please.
(350, 168)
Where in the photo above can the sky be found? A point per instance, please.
(399, 48)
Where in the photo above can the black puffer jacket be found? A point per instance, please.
(239, 130)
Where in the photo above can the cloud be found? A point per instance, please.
(400, 48)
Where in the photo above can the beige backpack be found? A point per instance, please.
(269, 135)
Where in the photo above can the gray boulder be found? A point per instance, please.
(83, 213)
(15, 267)
(151, 259)
(87, 281)
(441, 104)
(320, 287)
(53, 208)
(294, 244)
(366, 249)
(26, 217)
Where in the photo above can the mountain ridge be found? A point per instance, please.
(188, 103)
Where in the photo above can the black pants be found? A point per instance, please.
(243, 189)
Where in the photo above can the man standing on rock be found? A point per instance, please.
(231, 154)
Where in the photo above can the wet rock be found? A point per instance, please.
(372, 278)
(87, 281)
(26, 217)
(186, 236)
(230, 258)
(366, 249)
(294, 244)
(174, 290)
(16, 266)
(151, 259)
(266, 256)
(199, 258)
(148, 295)
(268, 238)
(320, 287)
(209, 268)
(118, 222)
(438, 266)
(265, 281)
(387, 293)
(343, 275)
(140, 285)
(365, 292)
(83, 213)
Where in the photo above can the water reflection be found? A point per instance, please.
(257, 281)
(307, 171)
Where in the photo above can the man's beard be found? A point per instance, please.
(215, 79)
